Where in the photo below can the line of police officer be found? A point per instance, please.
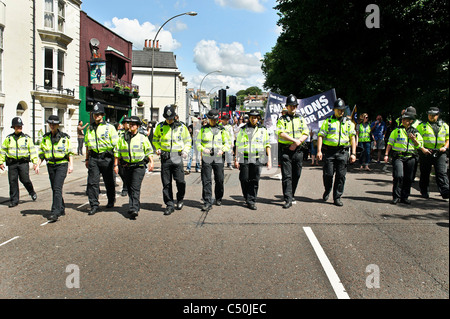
(432, 139)
(106, 152)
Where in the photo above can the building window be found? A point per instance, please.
(61, 15)
(48, 68)
(140, 112)
(61, 55)
(47, 112)
(155, 115)
(61, 113)
(49, 16)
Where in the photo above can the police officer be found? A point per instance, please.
(172, 143)
(212, 142)
(252, 152)
(229, 128)
(100, 140)
(132, 153)
(403, 141)
(435, 134)
(125, 128)
(336, 136)
(56, 149)
(292, 133)
(16, 152)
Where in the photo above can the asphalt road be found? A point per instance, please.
(367, 249)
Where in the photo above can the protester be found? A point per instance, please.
(378, 131)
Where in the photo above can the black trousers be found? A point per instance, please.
(403, 173)
(335, 162)
(291, 163)
(249, 176)
(134, 177)
(18, 172)
(57, 174)
(172, 169)
(208, 167)
(103, 166)
(123, 178)
(440, 168)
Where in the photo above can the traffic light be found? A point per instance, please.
(232, 102)
(222, 99)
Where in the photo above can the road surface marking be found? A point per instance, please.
(83, 205)
(338, 288)
(9, 240)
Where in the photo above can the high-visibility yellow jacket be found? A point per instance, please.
(364, 133)
(430, 139)
(213, 137)
(55, 149)
(251, 142)
(19, 147)
(337, 132)
(133, 148)
(294, 126)
(400, 142)
(101, 138)
(173, 137)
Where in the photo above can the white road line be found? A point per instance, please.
(338, 288)
(9, 240)
(83, 205)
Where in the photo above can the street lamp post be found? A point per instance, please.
(190, 13)
(200, 90)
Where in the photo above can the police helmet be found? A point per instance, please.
(53, 119)
(339, 104)
(291, 100)
(411, 109)
(433, 110)
(213, 114)
(254, 112)
(169, 112)
(134, 120)
(409, 115)
(17, 121)
(98, 108)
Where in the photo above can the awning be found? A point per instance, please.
(117, 54)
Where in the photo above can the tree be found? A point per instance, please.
(325, 44)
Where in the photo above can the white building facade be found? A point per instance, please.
(168, 84)
(39, 64)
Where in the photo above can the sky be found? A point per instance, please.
(227, 35)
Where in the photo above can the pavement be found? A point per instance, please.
(367, 249)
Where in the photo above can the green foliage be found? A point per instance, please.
(325, 44)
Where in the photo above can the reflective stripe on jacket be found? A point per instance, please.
(58, 152)
(337, 132)
(252, 141)
(173, 137)
(430, 140)
(294, 126)
(215, 137)
(364, 133)
(400, 142)
(101, 138)
(20, 148)
(133, 148)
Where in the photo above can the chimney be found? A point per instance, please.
(145, 43)
(157, 44)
